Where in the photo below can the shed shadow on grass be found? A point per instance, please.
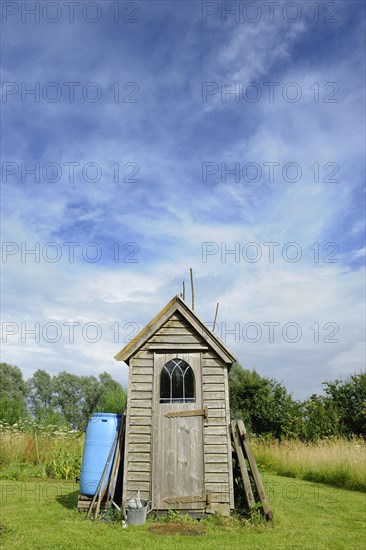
(68, 500)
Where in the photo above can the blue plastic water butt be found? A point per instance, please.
(100, 433)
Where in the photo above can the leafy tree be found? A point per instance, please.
(318, 417)
(78, 397)
(41, 399)
(11, 410)
(65, 398)
(114, 397)
(91, 396)
(68, 398)
(267, 408)
(40, 390)
(349, 398)
(12, 382)
(264, 404)
(13, 393)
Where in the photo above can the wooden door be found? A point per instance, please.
(178, 454)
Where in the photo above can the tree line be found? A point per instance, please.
(268, 408)
(263, 403)
(62, 400)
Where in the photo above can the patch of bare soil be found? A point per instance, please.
(177, 529)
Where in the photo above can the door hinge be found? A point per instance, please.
(198, 412)
(194, 498)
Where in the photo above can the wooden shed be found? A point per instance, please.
(177, 446)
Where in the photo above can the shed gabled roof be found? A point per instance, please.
(176, 304)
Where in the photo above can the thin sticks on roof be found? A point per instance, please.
(192, 287)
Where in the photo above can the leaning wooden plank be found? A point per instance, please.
(100, 498)
(243, 468)
(117, 459)
(113, 481)
(254, 468)
(104, 480)
(114, 460)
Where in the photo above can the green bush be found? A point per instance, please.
(64, 464)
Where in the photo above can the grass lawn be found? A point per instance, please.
(42, 515)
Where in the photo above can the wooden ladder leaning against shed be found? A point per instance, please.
(250, 476)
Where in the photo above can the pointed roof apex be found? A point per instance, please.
(175, 304)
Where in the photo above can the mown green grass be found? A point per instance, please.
(337, 461)
(42, 515)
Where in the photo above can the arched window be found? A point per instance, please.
(177, 384)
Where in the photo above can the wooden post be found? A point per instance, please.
(117, 460)
(37, 449)
(214, 323)
(192, 287)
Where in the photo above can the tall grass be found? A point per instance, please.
(335, 461)
(28, 450)
(35, 451)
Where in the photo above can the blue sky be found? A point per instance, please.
(176, 139)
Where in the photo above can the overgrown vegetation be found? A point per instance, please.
(335, 461)
(31, 450)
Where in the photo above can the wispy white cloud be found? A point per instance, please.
(171, 210)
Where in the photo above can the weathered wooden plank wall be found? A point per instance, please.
(178, 333)
(218, 460)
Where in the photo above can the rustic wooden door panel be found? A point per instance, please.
(178, 471)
